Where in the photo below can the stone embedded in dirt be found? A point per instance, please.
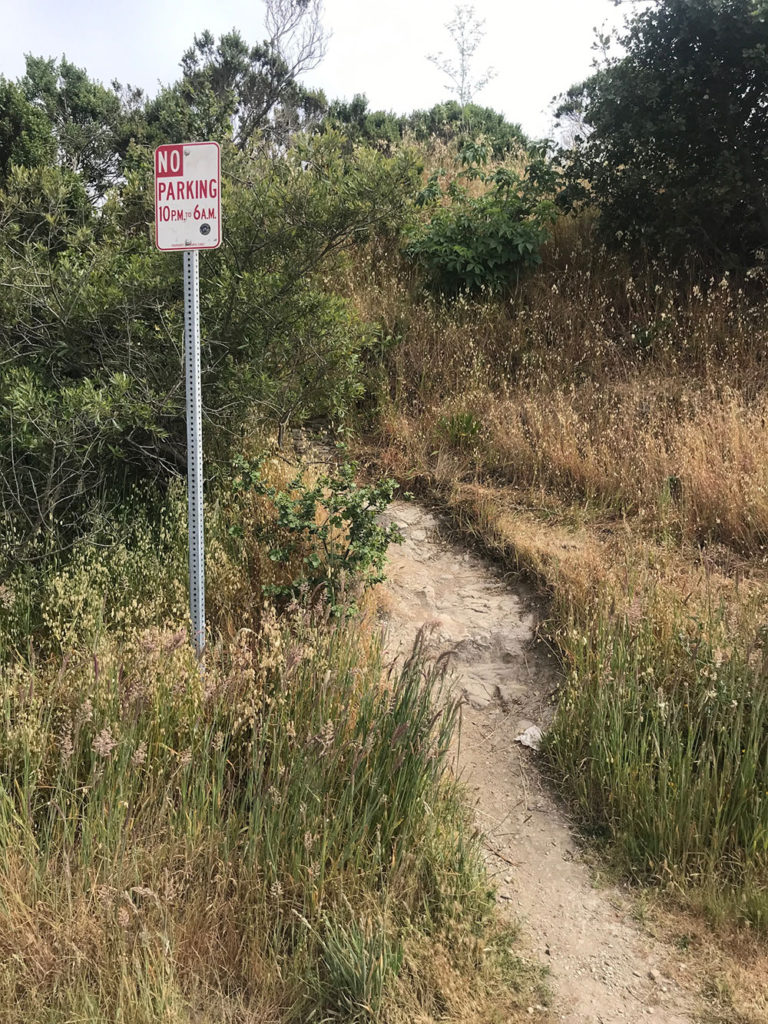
(530, 738)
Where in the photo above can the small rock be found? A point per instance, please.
(530, 738)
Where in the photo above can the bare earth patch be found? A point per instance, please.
(603, 967)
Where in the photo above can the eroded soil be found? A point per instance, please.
(603, 968)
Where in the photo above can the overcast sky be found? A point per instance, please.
(537, 47)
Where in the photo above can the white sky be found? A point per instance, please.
(378, 47)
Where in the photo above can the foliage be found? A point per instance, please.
(484, 241)
(230, 89)
(333, 523)
(358, 124)
(127, 572)
(85, 117)
(26, 138)
(92, 401)
(450, 121)
(675, 147)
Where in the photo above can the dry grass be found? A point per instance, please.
(683, 462)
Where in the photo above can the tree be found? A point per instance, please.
(466, 30)
(451, 122)
(675, 148)
(26, 137)
(84, 115)
(358, 124)
(230, 88)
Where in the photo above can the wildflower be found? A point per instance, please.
(218, 740)
(276, 890)
(104, 743)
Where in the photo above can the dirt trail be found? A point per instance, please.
(603, 968)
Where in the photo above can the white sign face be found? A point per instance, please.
(188, 196)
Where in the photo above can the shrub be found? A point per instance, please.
(484, 242)
(328, 529)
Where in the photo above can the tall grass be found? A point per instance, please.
(274, 835)
(663, 745)
(271, 830)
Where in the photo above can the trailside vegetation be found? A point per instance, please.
(563, 344)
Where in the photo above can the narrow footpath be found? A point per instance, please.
(602, 967)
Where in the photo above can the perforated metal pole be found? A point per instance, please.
(194, 448)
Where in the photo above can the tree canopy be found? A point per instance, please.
(674, 150)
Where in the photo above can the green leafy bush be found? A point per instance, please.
(484, 241)
(328, 529)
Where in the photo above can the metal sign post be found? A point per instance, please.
(194, 448)
(188, 217)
